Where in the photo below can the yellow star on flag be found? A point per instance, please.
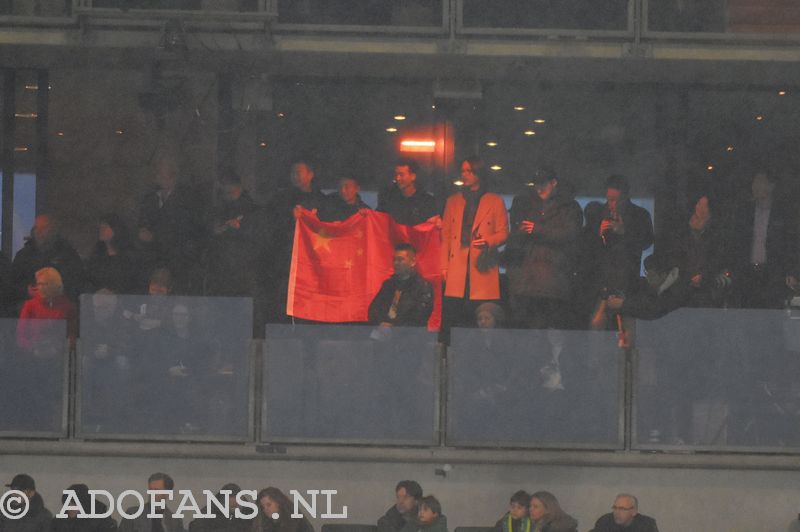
(322, 240)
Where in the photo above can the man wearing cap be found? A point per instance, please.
(625, 517)
(407, 496)
(166, 523)
(37, 518)
(221, 523)
(545, 226)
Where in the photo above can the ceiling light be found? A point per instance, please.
(496, 167)
(539, 121)
(491, 144)
(399, 117)
(391, 130)
(519, 107)
(529, 133)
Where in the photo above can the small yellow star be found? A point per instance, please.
(348, 264)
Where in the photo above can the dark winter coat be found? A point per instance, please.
(641, 523)
(541, 264)
(414, 307)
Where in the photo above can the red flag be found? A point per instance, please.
(338, 267)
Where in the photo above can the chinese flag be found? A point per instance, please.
(338, 267)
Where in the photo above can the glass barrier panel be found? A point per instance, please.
(190, 5)
(165, 365)
(350, 383)
(361, 12)
(547, 14)
(533, 388)
(33, 356)
(715, 379)
(772, 17)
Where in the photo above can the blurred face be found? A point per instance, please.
(425, 516)
(348, 190)
(762, 188)
(157, 485)
(486, 321)
(404, 262)
(156, 289)
(537, 510)
(545, 191)
(624, 511)
(104, 306)
(269, 506)
(517, 510)
(180, 316)
(404, 178)
(46, 287)
(105, 233)
(614, 198)
(302, 176)
(42, 230)
(166, 175)
(404, 502)
(468, 176)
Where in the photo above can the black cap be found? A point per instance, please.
(541, 176)
(22, 482)
(231, 487)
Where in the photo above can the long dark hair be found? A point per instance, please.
(553, 511)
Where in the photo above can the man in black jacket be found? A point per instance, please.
(408, 494)
(37, 518)
(625, 517)
(405, 298)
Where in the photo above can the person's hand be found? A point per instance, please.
(696, 280)
(235, 223)
(791, 282)
(723, 280)
(526, 226)
(615, 302)
(435, 220)
(363, 211)
(297, 212)
(480, 243)
(385, 325)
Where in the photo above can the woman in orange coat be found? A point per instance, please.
(474, 225)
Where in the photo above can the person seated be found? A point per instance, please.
(74, 523)
(35, 326)
(38, 518)
(220, 523)
(547, 516)
(275, 514)
(663, 290)
(429, 517)
(344, 203)
(405, 298)
(516, 519)
(625, 517)
(407, 496)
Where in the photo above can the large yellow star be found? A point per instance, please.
(322, 240)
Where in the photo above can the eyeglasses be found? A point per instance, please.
(622, 508)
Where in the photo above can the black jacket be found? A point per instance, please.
(394, 521)
(334, 208)
(413, 309)
(641, 523)
(59, 255)
(38, 518)
(411, 210)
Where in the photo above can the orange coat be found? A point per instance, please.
(491, 223)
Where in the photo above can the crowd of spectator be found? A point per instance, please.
(554, 265)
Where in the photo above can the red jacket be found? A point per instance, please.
(35, 328)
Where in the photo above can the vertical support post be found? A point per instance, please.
(8, 140)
